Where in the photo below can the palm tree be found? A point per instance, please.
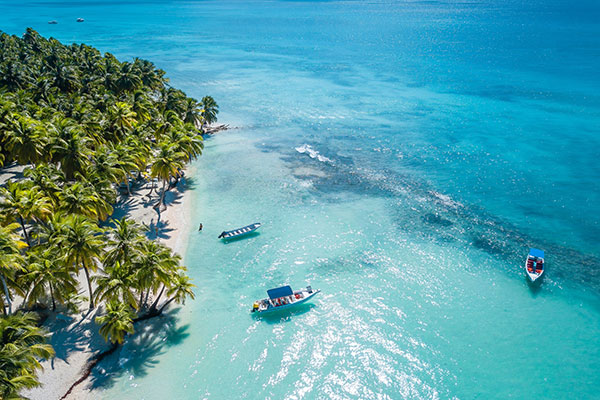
(117, 322)
(46, 179)
(210, 110)
(166, 164)
(69, 148)
(125, 236)
(22, 344)
(23, 139)
(153, 267)
(11, 262)
(47, 271)
(21, 204)
(82, 246)
(122, 118)
(180, 289)
(118, 284)
(193, 113)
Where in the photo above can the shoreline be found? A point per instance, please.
(76, 338)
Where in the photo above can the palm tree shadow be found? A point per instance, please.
(285, 315)
(140, 352)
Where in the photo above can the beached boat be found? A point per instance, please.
(239, 232)
(534, 265)
(282, 298)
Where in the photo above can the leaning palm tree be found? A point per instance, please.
(180, 289)
(117, 322)
(210, 109)
(22, 345)
(153, 267)
(166, 164)
(81, 245)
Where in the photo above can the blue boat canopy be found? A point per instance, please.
(536, 253)
(280, 292)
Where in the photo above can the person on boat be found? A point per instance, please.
(200, 227)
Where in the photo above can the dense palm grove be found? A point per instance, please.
(83, 123)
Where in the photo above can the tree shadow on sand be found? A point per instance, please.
(140, 352)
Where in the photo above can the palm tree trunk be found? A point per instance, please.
(52, 296)
(162, 195)
(141, 300)
(153, 307)
(87, 275)
(24, 230)
(166, 303)
(7, 295)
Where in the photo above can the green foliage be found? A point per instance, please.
(83, 122)
(116, 322)
(22, 344)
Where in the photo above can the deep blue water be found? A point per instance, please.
(403, 157)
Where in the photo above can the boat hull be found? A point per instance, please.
(270, 310)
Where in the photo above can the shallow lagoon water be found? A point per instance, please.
(402, 157)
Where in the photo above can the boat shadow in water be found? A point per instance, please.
(243, 237)
(284, 315)
(535, 287)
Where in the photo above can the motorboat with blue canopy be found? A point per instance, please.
(282, 298)
(534, 265)
(226, 235)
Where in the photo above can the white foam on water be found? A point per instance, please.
(312, 153)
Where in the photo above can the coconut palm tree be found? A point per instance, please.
(20, 204)
(124, 238)
(24, 139)
(117, 322)
(180, 288)
(193, 113)
(210, 109)
(153, 266)
(69, 148)
(22, 345)
(118, 284)
(82, 245)
(167, 163)
(47, 271)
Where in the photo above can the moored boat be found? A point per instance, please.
(240, 231)
(282, 298)
(534, 265)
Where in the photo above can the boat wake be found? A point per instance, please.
(312, 153)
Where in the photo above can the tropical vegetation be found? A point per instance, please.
(84, 125)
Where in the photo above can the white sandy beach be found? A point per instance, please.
(76, 340)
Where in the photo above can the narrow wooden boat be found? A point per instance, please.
(282, 298)
(226, 235)
(534, 265)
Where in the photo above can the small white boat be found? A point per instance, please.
(282, 298)
(534, 265)
(80, 19)
(226, 235)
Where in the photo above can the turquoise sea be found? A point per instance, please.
(402, 156)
